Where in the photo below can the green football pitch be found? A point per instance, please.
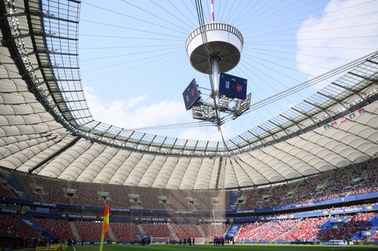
(249, 247)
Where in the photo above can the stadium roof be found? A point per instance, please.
(47, 127)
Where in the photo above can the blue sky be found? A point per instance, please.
(134, 66)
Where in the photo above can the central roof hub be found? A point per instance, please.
(215, 40)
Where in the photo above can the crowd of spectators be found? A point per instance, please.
(346, 230)
(374, 237)
(353, 180)
(304, 229)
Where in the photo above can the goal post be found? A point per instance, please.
(164, 240)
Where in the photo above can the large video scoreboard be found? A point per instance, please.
(191, 94)
(232, 86)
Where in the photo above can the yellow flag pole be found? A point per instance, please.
(102, 237)
(105, 223)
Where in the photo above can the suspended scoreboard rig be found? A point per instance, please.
(214, 49)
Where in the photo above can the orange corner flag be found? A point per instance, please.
(104, 226)
(106, 219)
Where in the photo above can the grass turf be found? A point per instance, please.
(241, 247)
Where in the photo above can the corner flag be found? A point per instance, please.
(104, 226)
(106, 219)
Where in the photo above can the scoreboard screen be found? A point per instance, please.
(191, 94)
(232, 86)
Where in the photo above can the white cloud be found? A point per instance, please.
(134, 113)
(325, 42)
